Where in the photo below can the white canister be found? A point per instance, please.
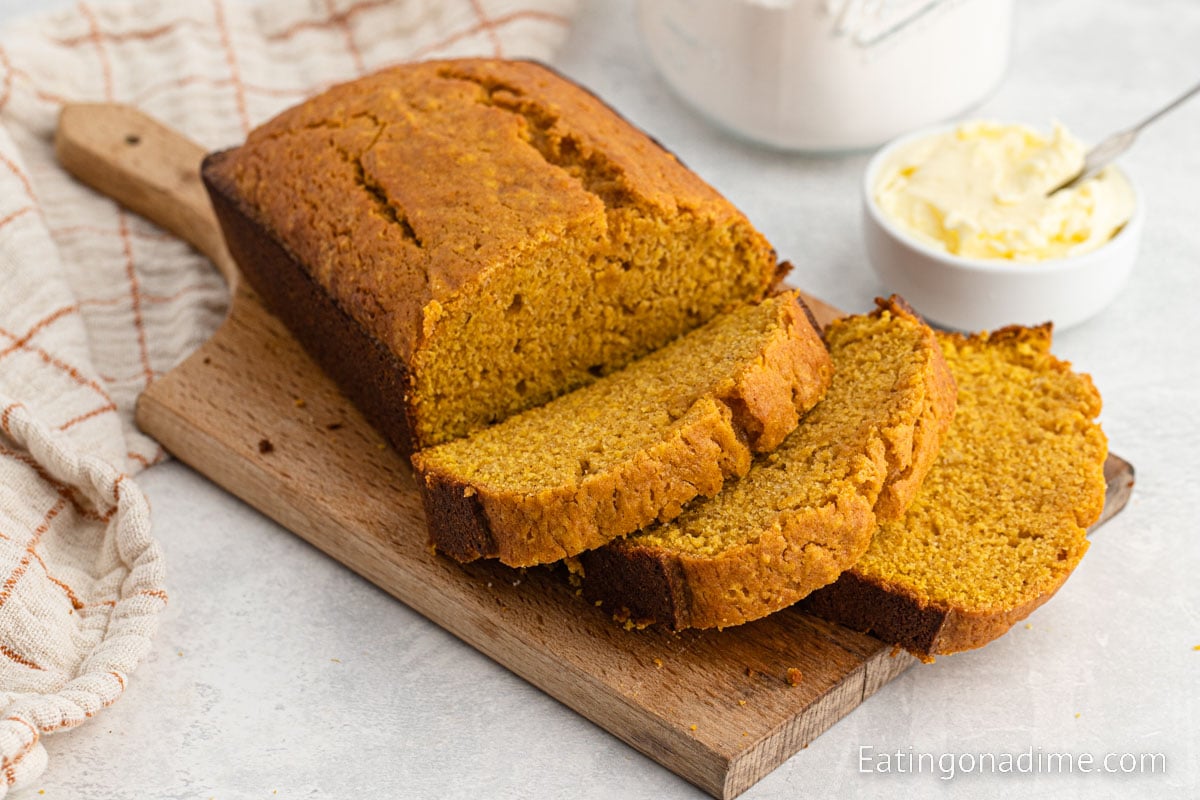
(824, 75)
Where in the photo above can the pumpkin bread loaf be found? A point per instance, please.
(455, 241)
(805, 512)
(631, 448)
(1001, 519)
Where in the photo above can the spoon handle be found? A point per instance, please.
(1105, 152)
(1171, 106)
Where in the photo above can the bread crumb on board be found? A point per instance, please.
(794, 676)
(623, 617)
(265, 446)
(658, 663)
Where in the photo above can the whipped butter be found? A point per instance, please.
(980, 191)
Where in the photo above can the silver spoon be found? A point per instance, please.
(1104, 153)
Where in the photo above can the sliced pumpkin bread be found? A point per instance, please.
(631, 448)
(1001, 520)
(805, 512)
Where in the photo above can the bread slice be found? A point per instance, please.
(1002, 517)
(631, 448)
(804, 513)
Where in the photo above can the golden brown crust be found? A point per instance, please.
(365, 369)
(799, 549)
(787, 379)
(916, 455)
(895, 614)
(750, 412)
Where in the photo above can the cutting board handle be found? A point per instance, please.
(145, 166)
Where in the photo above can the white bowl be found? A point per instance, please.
(981, 294)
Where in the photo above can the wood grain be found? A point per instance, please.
(254, 414)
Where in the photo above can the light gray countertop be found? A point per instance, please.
(292, 677)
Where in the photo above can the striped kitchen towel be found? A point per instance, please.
(95, 302)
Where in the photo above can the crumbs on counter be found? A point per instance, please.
(794, 676)
(1028, 626)
(1196, 647)
(1077, 715)
(265, 446)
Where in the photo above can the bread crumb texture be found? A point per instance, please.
(1002, 517)
(806, 511)
(503, 231)
(634, 446)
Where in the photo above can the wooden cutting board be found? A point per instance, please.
(254, 414)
